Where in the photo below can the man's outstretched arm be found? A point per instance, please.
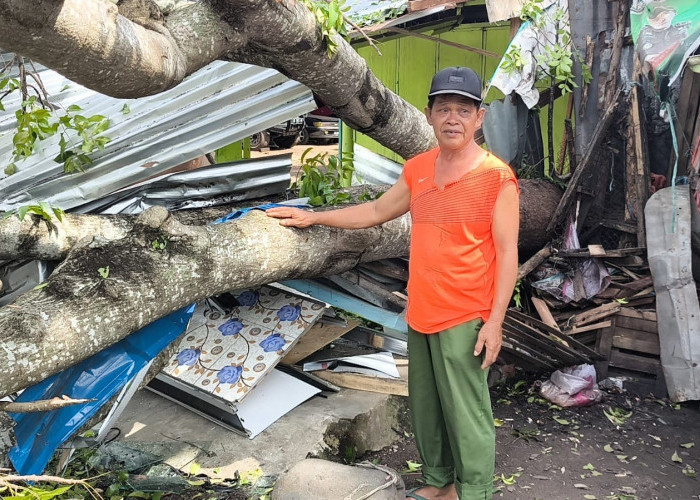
(392, 204)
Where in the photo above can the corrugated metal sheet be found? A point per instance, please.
(374, 168)
(204, 187)
(217, 105)
(371, 11)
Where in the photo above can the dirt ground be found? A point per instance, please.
(550, 453)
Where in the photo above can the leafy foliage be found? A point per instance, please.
(331, 20)
(322, 176)
(556, 63)
(37, 120)
(43, 210)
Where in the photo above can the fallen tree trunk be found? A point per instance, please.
(106, 289)
(136, 49)
(33, 238)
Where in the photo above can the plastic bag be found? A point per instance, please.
(573, 386)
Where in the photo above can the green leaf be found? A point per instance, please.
(413, 466)
(74, 108)
(125, 109)
(561, 421)
(589, 466)
(195, 468)
(688, 445)
(22, 211)
(676, 458)
(104, 272)
(497, 422)
(608, 448)
(11, 169)
(139, 494)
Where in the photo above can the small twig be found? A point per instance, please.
(23, 80)
(8, 64)
(362, 32)
(37, 79)
(32, 478)
(41, 405)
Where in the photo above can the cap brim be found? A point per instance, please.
(458, 92)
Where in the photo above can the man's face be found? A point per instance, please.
(454, 119)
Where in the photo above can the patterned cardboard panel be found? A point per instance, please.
(227, 352)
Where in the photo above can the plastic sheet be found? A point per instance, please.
(573, 386)
(99, 377)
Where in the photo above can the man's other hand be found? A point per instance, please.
(490, 336)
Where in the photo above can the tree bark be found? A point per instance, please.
(82, 310)
(135, 50)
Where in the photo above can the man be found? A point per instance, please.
(462, 270)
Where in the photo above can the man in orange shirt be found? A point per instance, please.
(463, 265)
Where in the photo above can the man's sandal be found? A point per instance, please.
(412, 494)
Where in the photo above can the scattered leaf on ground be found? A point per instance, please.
(561, 421)
(688, 445)
(689, 471)
(608, 448)
(497, 422)
(676, 458)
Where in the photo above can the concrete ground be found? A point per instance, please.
(320, 426)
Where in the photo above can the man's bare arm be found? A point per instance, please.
(506, 222)
(392, 204)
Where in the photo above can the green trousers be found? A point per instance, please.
(451, 410)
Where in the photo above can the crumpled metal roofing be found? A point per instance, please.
(375, 168)
(219, 104)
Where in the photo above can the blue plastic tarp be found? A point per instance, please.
(99, 378)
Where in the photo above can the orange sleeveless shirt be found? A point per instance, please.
(452, 265)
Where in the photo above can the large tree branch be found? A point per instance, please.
(89, 42)
(80, 311)
(34, 238)
(344, 82)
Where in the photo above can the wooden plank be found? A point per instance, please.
(435, 39)
(386, 268)
(595, 314)
(577, 346)
(636, 341)
(544, 312)
(596, 250)
(534, 261)
(638, 325)
(588, 328)
(368, 383)
(637, 160)
(615, 253)
(540, 345)
(318, 336)
(633, 362)
(689, 94)
(557, 347)
(603, 346)
(416, 5)
(572, 187)
(636, 313)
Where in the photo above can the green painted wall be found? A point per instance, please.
(407, 65)
(239, 150)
